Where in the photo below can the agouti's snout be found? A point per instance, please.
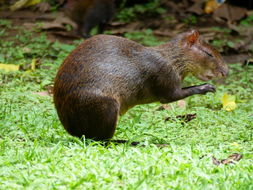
(224, 71)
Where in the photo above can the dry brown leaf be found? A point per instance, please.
(58, 23)
(230, 12)
(43, 7)
(181, 104)
(196, 8)
(230, 160)
(215, 161)
(184, 118)
(65, 35)
(30, 15)
(43, 93)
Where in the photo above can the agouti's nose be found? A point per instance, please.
(224, 71)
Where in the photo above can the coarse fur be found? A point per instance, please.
(106, 75)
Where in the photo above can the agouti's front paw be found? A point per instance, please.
(204, 88)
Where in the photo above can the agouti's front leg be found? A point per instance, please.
(198, 89)
(182, 93)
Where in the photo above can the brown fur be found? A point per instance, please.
(90, 13)
(106, 75)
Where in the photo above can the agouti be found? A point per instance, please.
(90, 13)
(106, 75)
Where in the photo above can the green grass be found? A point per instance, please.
(127, 14)
(37, 153)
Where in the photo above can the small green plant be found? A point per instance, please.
(248, 21)
(5, 23)
(190, 20)
(169, 18)
(151, 7)
(145, 37)
(220, 29)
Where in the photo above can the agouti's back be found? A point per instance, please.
(107, 75)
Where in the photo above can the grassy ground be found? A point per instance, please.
(37, 153)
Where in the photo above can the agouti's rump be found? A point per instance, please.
(107, 75)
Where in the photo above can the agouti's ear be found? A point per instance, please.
(192, 37)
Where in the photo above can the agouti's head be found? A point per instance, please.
(201, 59)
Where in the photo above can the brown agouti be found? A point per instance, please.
(90, 13)
(106, 75)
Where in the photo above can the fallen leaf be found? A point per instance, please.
(43, 7)
(228, 102)
(185, 118)
(30, 15)
(230, 12)
(230, 160)
(196, 8)
(215, 161)
(9, 67)
(211, 6)
(181, 104)
(23, 3)
(55, 35)
(43, 93)
(59, 23)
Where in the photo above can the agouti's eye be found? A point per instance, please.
(209, 54)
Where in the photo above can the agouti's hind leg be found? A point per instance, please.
(96, 118)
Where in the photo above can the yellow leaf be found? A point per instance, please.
(234, 144)
(32, 2)
(9, 67)
(210, 6)
(228, 102)
(23, 3)
(18, 5)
